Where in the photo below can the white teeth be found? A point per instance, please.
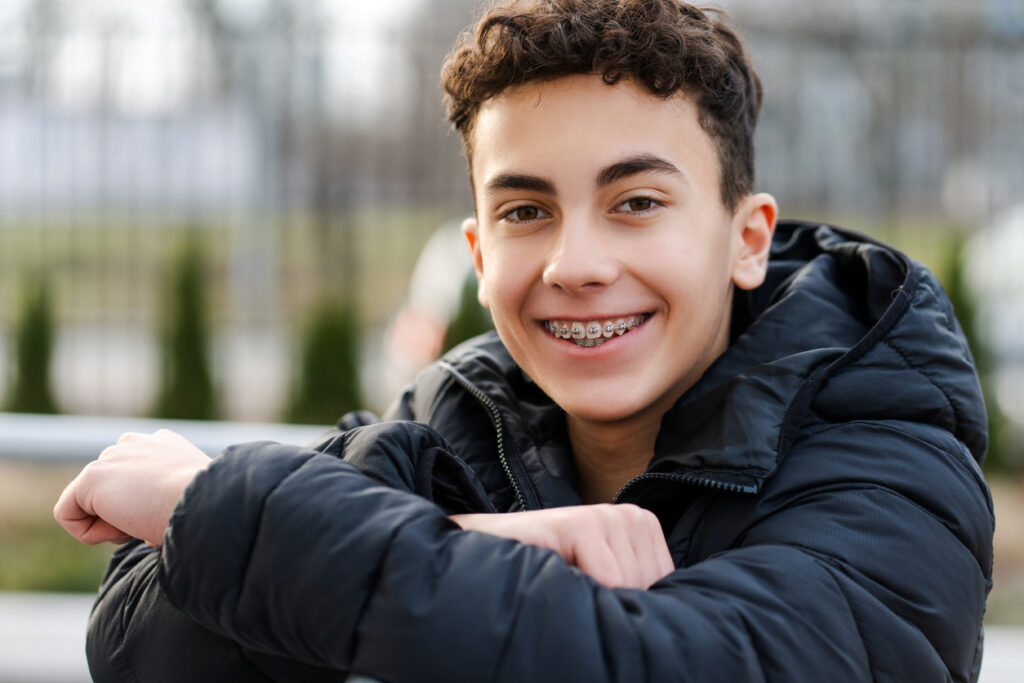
(594, 332)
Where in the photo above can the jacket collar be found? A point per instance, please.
(830, 297)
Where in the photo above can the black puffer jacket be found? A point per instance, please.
(819, 489)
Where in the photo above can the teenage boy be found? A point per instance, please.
(792, 445)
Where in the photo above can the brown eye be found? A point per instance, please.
(639, 204)
(526, 213)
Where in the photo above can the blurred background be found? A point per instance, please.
(216, 210)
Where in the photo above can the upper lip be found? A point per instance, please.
(597, 316)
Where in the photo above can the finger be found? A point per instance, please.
(635, 545)
(663, 555)
(111, 451)
(170, 438)
(68, 507)
(598, 561)
(615, 526)
(655, 561)
(101, 531)
(81, 524)
(129, 437)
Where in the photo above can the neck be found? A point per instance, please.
(610, 454)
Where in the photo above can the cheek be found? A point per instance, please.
(505, 287)
(687, 276)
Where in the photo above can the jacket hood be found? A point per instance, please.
(844, 328)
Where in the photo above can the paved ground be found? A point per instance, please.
(42, 638)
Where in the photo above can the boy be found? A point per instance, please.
(793, 445)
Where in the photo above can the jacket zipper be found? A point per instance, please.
(685, 479)
(499, 429)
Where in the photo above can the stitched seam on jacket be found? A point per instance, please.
(123, 647)
(244, 574)
(371, 590)
(890, 491)
(518, 606)
(902, 301)
(921, 371)
(830, 566)
(962, 457)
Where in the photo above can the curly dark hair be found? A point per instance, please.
(667, 46)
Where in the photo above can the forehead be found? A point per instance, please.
(546, 128)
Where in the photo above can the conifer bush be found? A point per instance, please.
(32, 350)
(186, 384)
(999, 457)
(327, 383)
(470, 319)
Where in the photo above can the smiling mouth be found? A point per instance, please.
(594, 332)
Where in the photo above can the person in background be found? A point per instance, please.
(702, 444)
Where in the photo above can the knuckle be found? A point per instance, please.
(129, 437)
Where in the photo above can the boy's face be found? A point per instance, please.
(599, 207)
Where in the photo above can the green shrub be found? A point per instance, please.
(470, 319)
(186, 385)
(327, 384)
(33, 349)
(999, 457)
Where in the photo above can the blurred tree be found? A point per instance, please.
(470, 319)
(44, 23)
(328, 383)
(33, 349)
(999, 457)
(186, 387)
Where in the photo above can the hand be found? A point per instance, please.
(620, 546)
(130, 491)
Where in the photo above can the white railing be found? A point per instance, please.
(79, 439)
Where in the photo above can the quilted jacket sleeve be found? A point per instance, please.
(838, 574)
(137, 634)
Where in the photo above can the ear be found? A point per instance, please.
(472, 233)
(754, 223)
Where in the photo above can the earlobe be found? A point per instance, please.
(756, 225)
(470, 230)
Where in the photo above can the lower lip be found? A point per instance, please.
(609, 346)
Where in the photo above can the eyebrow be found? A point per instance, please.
(517, 181)
(630, 166)
(634, 165)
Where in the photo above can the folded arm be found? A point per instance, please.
(298, 555)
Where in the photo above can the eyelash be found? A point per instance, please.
(511, 218)
(510, 215)
(654, 204)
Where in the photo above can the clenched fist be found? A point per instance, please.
(130, 491)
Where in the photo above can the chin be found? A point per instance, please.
(592, 411)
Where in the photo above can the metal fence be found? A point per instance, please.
(305, 143)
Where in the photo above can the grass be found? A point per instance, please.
(111, 267)
(37, 555)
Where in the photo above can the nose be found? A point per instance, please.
(580, 258)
